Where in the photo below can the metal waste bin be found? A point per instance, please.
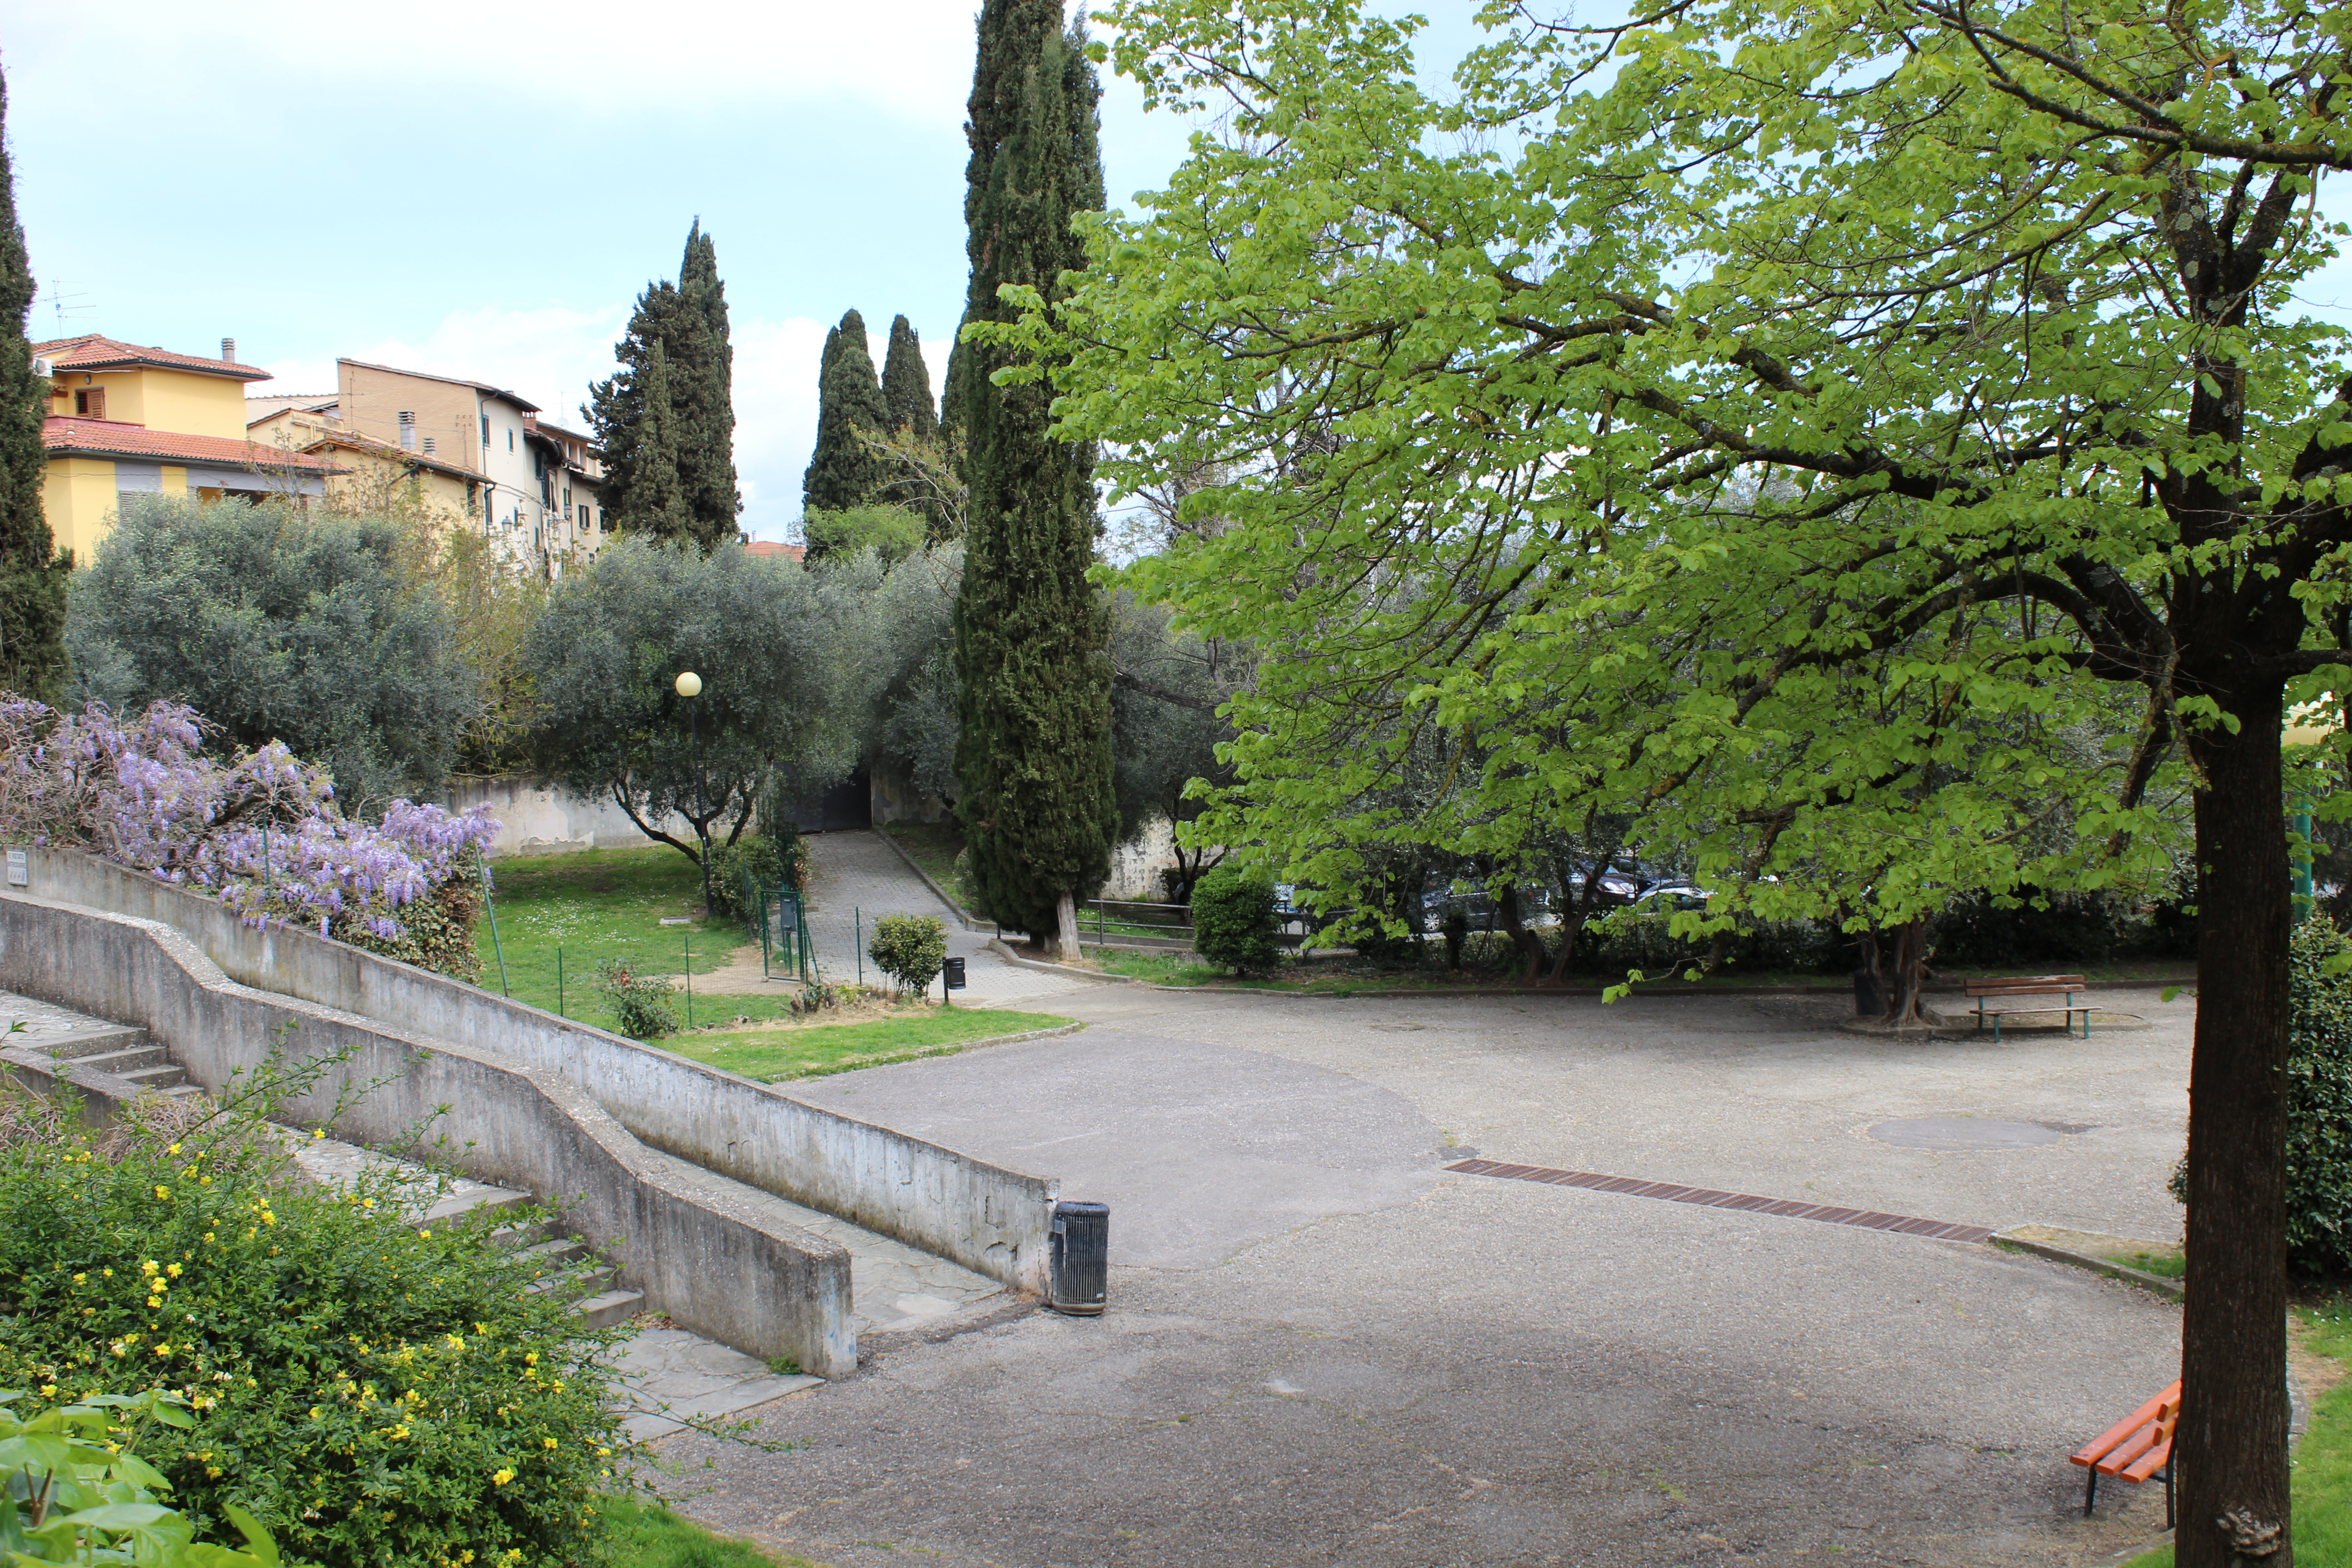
(952, 974)
(1081, 1260)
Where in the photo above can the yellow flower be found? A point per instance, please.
(502, 1476)
(531, 1358)
(211, 1472)
(425, 1236)
(80, 1277)
(367, 1202)
(148, 1266)
(163, 1349)
(172, 1269)
(172, 1149)
(547, 1442)
(107, 1273)
(163, 1191)
(204, 1181)
(208, 1238)
(317, 1133)
(48, 1390)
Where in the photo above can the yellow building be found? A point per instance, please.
(372, 474)
(125, 419)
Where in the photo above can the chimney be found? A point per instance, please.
(228, 350)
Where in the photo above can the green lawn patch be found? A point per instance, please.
(2320, 1485)
(934, 846)
(812, 1050)
(646, 1535)
(604, 904)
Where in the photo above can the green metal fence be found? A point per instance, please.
(779, 920)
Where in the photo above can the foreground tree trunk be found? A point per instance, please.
(2231, 1443)
(1902, 986)
(1529, 944)
(1066, 920)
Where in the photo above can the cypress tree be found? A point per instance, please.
(907, 383)
(842, 472)
(32, 571)
(685, 321)
(702, 391)
(1032, 636)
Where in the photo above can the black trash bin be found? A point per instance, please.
(1081, 1260)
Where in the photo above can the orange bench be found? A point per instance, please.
(2135, 1448)
(2026, 993)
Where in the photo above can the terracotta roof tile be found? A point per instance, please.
(95, 352)
(113, 438)
(769, 547)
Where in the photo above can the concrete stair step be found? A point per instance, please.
(611, 1307)
(165, 1075)
(552, 1253)
(575, 1287)
(79, 1044)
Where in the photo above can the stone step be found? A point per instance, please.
(611, 1307)
(123, 1060)
(575, 1287)
(93, 1039)
(163, 1075)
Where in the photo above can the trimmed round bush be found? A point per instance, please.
(911, 949)
(1233, 920)
(375, 1389)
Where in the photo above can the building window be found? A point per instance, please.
(90, 403)
(583, 517)
(510, 438)
(486, 429)
(408, 430)
(603, 522)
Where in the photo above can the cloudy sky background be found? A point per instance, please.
(481, 189)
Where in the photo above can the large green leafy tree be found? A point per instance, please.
(665, 426)
(32, 571)
(1034, 753)
(1806, 430)
(844, 469)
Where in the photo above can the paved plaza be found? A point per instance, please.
(1325, 1348)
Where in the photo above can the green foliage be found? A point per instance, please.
(32, 570)
(771, 862)
(907, 383)
(842, 471)
(1165, 728)
(2319, 1105)
(1033, 750)
(665, 426)
(787, 658)
(437, 932)
(1233, 920)
(911, 949)
(372, 1388)
(645, 1004)
(77, 1493)
(892, 531)
(277, 626)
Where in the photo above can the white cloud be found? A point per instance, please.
(549, 355)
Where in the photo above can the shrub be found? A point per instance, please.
(78, 1456)
(1233, 920)
(771, 862)
(911, 949)
(374, 1389)
(646, 1005)
(2318, 1104)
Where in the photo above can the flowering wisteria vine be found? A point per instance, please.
(261, 831)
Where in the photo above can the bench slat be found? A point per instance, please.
(2073, 980)
(2025, 990)
(2097, 1448)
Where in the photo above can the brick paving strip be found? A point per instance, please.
(1787, 1208)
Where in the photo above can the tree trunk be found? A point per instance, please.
(2230, 1448)
(1066, 920)
(1531, 946)
(1902, 985)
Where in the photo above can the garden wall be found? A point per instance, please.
(721, 1260)
(992, 1220)
(541, 821)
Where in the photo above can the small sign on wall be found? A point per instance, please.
(20, 874)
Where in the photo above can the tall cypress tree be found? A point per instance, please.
(702, 391)
(32, 571)
(695, 412)
(842, 472)
(907, 383)
(1032, 636)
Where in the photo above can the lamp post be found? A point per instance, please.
(689, 686)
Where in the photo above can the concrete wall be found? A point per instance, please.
(990, 1219)
(536, 821)
(723, 1261)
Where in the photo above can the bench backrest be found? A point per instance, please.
(2026, 985)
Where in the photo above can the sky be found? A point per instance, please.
(481, 189)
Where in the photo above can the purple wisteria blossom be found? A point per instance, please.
(261, 831)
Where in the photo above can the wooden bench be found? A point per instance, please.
(2030, 994)
(2133, 1449)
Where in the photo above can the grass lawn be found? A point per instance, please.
(604, 904)
(2320, 1485)
(934, 846)
(813, 1050)
(646, 1535)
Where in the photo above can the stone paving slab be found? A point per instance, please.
(669, 1374)
(44, 1023)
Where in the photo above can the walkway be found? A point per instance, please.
(858, 877)
(1325, 1348)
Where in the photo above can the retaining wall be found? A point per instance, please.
(720, 1259)
(992, 1220)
